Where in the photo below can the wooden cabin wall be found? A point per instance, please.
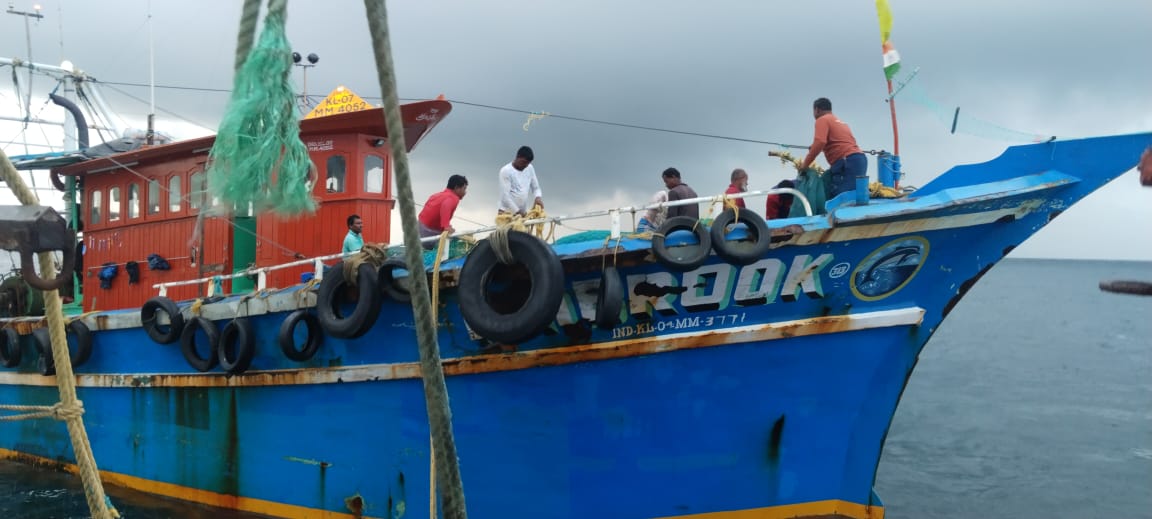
(162, 224)
(156, 223)
(323, 233)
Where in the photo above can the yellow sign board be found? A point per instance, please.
(340, 101)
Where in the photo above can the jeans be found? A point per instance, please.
(842, 175)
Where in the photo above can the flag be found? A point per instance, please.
(891, 60)
(891, 57)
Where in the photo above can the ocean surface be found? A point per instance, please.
(1032, 401)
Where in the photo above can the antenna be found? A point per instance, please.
(150, 137)
(28, 37)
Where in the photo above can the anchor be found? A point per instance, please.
(32, 229)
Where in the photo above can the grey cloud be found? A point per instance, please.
(731, 67)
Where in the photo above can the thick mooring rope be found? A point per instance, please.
(69, 409)
(435, 391)
(248, 18)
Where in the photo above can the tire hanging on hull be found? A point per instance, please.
(511, 303)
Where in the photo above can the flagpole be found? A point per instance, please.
(891, 67)
(895, 132)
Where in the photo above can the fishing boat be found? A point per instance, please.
(736, 367)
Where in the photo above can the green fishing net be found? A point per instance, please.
(258, 157)
(812, 184)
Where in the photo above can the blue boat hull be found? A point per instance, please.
(766, 388)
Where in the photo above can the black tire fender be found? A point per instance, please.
(10, 352)
(757, 229)
(677, 260)
(188, 343)
(287, 339)
(609, 299)
(153, 328)
(396, 290)
(331, 296)
(237, 346)
(546, 291)
(76, 328)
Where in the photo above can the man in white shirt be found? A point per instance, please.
(519, 189)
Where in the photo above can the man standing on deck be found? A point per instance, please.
(436, 217)
(353, 242)
(739, 185)
(678, 190)
(519, 189)
(835, 140)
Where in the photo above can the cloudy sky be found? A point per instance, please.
(738, 68)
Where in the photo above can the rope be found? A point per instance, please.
(58, 411)
(878, 190)
(499, 241)
(435, 309)
(248, 19)
(70, 409)
(435, 391)
(370, 253)
(514, 222)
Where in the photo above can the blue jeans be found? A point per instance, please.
(842, 175)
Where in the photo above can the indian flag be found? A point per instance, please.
(891, 57)
(891, 60)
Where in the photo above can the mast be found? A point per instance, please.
(28, 39)
(150, 137)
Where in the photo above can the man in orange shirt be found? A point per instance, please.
(436, 217)
(835, 140)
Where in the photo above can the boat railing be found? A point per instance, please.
(261, 273)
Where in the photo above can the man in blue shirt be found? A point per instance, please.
(353, 241)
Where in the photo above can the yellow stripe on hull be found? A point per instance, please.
(833, 508)
(830, 509)
(204, 497)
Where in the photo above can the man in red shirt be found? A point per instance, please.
(436, 217)
(835, 140)
(779, 205)
(739, 185)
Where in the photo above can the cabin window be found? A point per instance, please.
(133, 200)
(174, 194)
(95, 207)
(153, 196)
(336, 170)
(114, 204)
(196, 192)
(373, 174)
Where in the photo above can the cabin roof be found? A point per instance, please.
(419, 118)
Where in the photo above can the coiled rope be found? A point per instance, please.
(370, 253)
(514, 222)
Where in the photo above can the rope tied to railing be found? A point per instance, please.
(515, 222)
(370, 253)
